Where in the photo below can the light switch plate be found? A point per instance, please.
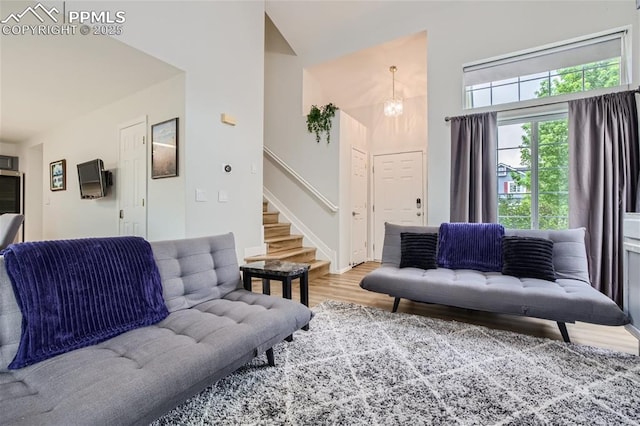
(223, 196)
(201, 195)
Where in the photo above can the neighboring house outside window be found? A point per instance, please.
(532, 155)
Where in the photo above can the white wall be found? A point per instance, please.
(95, 135)
(386, 135)
(31, 161)
(9, 149)
(457, 33)
(220, 47)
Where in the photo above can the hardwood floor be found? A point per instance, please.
(345, 287)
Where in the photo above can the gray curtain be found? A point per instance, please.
(474, 185)
(638, 189)
(603, 180)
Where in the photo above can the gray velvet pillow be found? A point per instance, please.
(569, 252)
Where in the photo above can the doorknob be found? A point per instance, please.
(418, 214)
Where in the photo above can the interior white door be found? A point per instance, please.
(398, 193)
(132, 179)
(359, 222)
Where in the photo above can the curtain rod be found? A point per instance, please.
(447, 118)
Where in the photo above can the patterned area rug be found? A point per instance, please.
(364, 366)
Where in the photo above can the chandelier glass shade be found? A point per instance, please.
(393, 107)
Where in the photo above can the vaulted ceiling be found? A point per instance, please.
(49, 80)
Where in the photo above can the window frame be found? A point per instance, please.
(625, 71)
(533, 118)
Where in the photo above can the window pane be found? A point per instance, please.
(515, 159)
(553, 211)
(480, 98)
(553, 179)
(553, 204)
(506, 93)
(479, 86)
(568, 80)
(510, 136)
(514, 211)
(603, 75)
(555, 155)
(532, 89)
(516, 188)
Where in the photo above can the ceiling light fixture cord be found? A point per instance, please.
(393, 107)
(393, 70)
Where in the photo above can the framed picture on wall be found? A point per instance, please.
(164, 149)
(58, 175)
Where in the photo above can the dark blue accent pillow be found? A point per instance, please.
(418, 250)
(528, 257)
(76, 293)
(475, 246)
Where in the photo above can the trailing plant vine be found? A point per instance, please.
(319, 120)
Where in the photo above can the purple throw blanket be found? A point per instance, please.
(76, 293)
(471, 246)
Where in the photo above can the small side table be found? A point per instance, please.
(278, 270)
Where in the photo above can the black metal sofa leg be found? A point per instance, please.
(563, 330)
(270, 358)
(396, 302)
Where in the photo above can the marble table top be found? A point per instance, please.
(276, 267)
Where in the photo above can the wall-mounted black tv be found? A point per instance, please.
(93, 179)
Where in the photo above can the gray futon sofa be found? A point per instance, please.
(213, 328)
(567, 300)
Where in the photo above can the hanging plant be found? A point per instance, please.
(319, 120)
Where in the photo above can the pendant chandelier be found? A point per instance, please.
(393, 107)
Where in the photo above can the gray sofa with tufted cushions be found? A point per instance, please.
(213, 328)
(569, 299)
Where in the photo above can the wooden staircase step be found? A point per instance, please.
(270, 217)
(272, 230)
(300, 255)
(284, 242)
(281, 245)
(319, 268)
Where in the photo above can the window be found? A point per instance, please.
(534, 193)
(515, 188)
(591, 63)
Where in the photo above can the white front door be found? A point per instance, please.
(132, 178)
(358, 207)
(398, 193)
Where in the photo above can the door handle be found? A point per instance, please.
(354, 213)
(121, 214)
(418, 214)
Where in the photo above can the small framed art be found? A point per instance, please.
(58, 175)
(164, 149)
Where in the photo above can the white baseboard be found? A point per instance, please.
(343, 270)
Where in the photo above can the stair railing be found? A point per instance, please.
(310, 188)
